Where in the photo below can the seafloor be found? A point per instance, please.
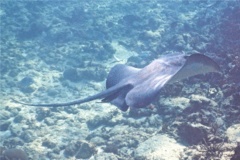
(56, 51)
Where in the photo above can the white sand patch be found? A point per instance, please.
(159, 147)
(2, 12)
(122, 54)
(180, 102)
(233, 133)
(188, 16)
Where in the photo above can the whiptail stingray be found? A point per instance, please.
(133, 87)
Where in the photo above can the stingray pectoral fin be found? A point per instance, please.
(146, 92)
(195, 64)
(103, 94)
(118, 73)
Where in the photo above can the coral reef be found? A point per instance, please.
(54, 51)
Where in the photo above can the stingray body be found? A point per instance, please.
(133, 87)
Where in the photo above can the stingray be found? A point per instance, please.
(128, 86)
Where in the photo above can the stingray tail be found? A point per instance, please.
(100, 95)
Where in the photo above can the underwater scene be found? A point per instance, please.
(120, 80)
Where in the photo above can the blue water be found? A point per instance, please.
(56, 49)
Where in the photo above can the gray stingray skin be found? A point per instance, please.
(133, 87)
